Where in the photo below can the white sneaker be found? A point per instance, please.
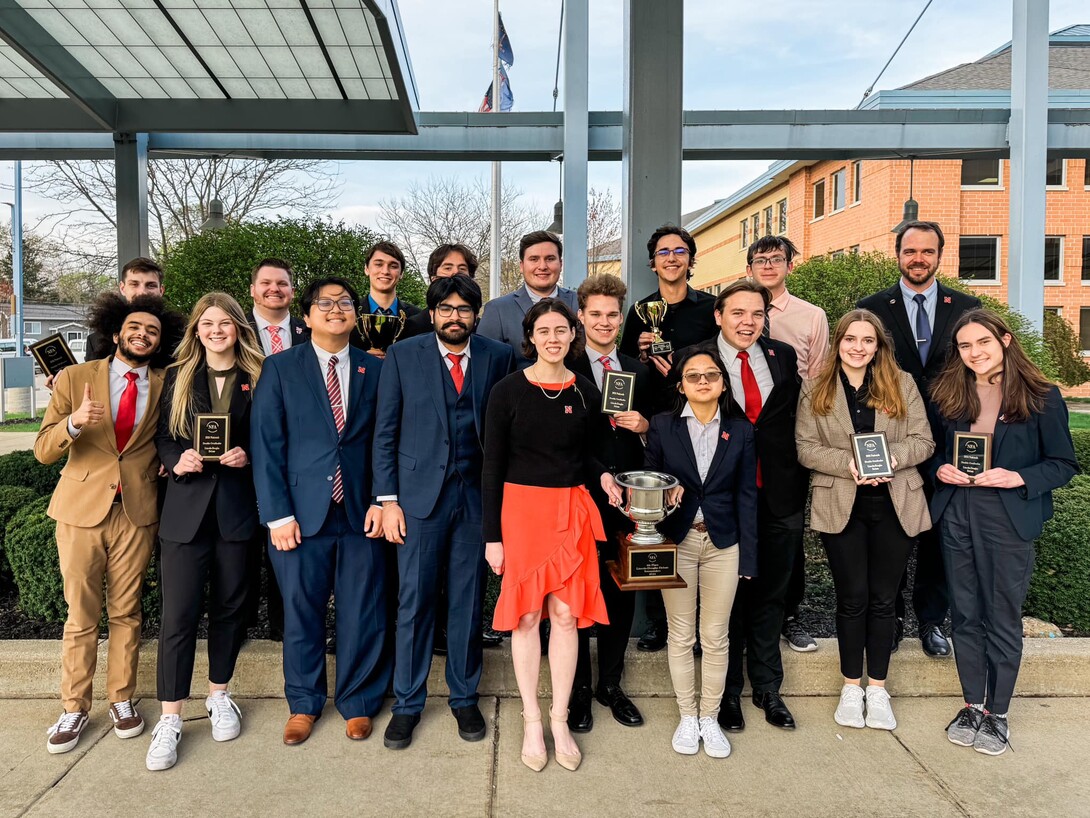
(715, 743)
(849, 712)
(163, 752)
(687, 736)
(879, 711)
(224, 715)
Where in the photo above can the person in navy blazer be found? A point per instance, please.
(541, 260)
(990, 518)
(714, 458)
(428, 457)
(314, 494)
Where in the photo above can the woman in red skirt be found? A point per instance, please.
(540, 524)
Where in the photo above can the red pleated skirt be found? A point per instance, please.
(549, 547)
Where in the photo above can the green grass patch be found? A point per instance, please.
(1079, 420)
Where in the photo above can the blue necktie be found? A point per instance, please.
(923, 328)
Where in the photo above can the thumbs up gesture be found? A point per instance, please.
(90, 412)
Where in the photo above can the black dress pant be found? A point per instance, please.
(989, 568)
(867, 560)
(930, 599)
(184, 571)
(259, 564)
(612, 638)
(757, 616)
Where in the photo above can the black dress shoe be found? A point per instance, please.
(776, 712)
(730, 714)
(934, 643)
(399, 732)
(622, 707)
(331, 644)
(580, 717)
(491, 638)
(276, 635)
(653, 639)
(898, 634)
(439, 645)
(470, 722)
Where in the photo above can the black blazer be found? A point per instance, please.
(1040, 450)
(419, 324)
(188, 496)
(889, 305)
(300, 332)
(728, 497)
(357, 340)
(618, 449)
(785, 482)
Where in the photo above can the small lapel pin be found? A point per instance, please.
(772, 353)
(725, 435)
(298, 330)
(567, 410)
(245, 387)
(893, 301)
(947, 299)
(361, 369)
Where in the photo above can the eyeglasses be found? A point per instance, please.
(343, 304)
(710, 377)
(447, 310)
(677, 251)
(774, 261)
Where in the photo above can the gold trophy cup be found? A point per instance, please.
(652, 313)
(381, 330)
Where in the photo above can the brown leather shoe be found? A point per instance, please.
(358, 729)
(298, 728)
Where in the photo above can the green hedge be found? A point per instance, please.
(12, 500)
(1060, 589)
(1081, 438)
(31, 547)
(22, 469)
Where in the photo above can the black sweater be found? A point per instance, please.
(534, 440)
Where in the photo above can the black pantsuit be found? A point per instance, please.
(612, 638)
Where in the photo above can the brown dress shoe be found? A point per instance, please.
(298, 728)
(358, 729)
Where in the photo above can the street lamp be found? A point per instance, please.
(215, 220)
(912, 207)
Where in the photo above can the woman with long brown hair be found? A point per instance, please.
(209, 519)
(868, 525)
(990, 517)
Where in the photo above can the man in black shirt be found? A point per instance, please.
(689, 319)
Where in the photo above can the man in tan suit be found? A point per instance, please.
(103, 414)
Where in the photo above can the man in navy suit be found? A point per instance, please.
(428, 457)
(313, 425)
(541, 260)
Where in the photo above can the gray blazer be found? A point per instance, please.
(502, 319)
(825, 445)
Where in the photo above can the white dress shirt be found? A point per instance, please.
(757, 363)
(118, 382)
(265, 336)
(596, 365)
(704, 437)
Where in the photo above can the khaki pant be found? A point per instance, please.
(119, 552)
(712, 576)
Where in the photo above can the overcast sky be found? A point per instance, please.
(783, 54)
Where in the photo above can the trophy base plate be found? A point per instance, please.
(662, 348)
(642, 584)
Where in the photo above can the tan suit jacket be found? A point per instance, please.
(825, 445)
(89, 480)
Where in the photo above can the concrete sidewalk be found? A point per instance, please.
(819, 770)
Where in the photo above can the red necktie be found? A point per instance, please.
(126, 412)
(456, 370)
(753, 397)
(333, 387)
(608, 367)
(276, 343)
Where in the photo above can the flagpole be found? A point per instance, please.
(495, 262)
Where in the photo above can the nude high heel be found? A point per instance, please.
(568, 762)
(534, 762)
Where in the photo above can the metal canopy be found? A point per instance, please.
(305, 66)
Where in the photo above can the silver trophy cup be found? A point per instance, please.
(647, 503)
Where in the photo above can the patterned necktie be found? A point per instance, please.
(753, 398)
(333, 387)
(456, 370)
(126, 412)
(608, 367)
(923, 328)
(276, 343)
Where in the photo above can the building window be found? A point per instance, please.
(837, 253)
(854, 249)
(1054, 248)
(32, 327)
(978, 258)
(857, 181)
(745, 234)
(1057, 311)
(756, 226)
(781, 206)
(1054, 173)
(819, 199)
(1086, 175)
(980, 173)
(840, 189)
(1086, 256)
(1084, 330)
(74, 335)
(768, 220)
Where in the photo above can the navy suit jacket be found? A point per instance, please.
(296, 448)
(728, 497)
(1040, 450)
(412, 441)
(502, 319)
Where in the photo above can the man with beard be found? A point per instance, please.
(141, 276)
(428, 457)
(103, 415)
(919, 313)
